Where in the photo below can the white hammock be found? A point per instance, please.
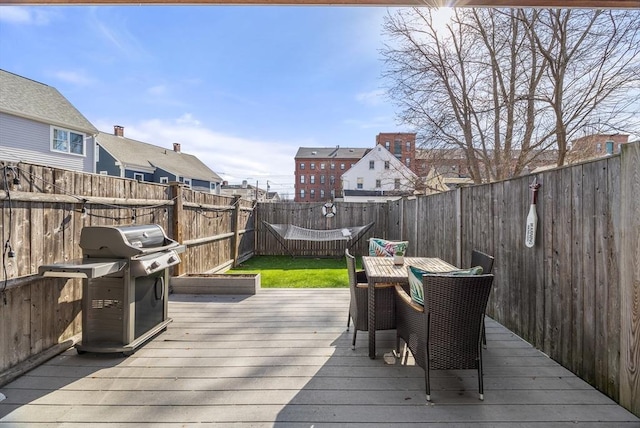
(291, 232)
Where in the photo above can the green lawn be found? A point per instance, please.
(300, 272)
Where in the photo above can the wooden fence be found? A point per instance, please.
(43, 213)
(575, 295)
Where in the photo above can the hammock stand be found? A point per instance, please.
(287, 232)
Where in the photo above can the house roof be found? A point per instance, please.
(33, 100)
(132, 154)
(331, 152)
(381, 153)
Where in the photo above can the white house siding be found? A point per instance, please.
(30, 141)
(387, 177)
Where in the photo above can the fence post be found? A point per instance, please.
(458, 210)
(629, 254)
(176, 196)
(235, 249)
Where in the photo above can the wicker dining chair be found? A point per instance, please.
(478, 258)
(358, 306)
(444, 334)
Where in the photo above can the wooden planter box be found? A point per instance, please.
(216, 284)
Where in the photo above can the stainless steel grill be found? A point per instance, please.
(125, 285)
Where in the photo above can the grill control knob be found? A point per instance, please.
(154, 265)
(171, 259)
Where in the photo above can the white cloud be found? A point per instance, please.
(232, 157)
(372, 98)
(157, 90)
(113, 29)
(75, 77)
(24, 15)
(187, 119)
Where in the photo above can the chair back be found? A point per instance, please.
(351, 268)
(455, 306)
(478, 258)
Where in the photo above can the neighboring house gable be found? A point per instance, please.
(379, 172)
(39, 125)
(133, 159)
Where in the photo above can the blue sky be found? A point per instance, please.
(241, 87)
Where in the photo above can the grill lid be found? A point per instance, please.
(124, 241)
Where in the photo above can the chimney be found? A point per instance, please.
(176, 147)
(118, 130)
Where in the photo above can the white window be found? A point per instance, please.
(387, 145)
(332, 165)
(138, 177)
(408, 146)
(302, 179)
(321, 193)
(104, 173)
(212, 187)
(322, 179)
(378, 183)
(386, 164)
(312, 166)
(407, 162)
(301, 193)
(312, 180)
(312, 194)
(164, 180)
(302, 166)
(341, 166)
(63, 140)
(322, 166)
(360, 182)
(372, 164)
(396, 184)
(187, 182)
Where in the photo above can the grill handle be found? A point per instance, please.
(160, 280)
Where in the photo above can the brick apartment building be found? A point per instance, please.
(318, 171)
(402, 145)
(596, 145)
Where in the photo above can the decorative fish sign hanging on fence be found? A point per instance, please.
(532, 218)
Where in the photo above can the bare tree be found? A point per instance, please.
(593, 77)
(492, 85)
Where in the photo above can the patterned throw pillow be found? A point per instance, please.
(416, 274)
(383, 248)
(415, 284)
(476, 270)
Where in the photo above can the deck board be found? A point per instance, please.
(282, 358)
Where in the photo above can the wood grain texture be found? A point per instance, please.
(630, 278)
(282, 358)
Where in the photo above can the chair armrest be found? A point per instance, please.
(378, 285)
(406, 299)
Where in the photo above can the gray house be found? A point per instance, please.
(124, 157)
(39, 125)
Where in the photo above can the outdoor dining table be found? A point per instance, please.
(383, 270)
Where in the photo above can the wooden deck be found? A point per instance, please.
(282, 358)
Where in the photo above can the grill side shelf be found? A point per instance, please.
(83, 268)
